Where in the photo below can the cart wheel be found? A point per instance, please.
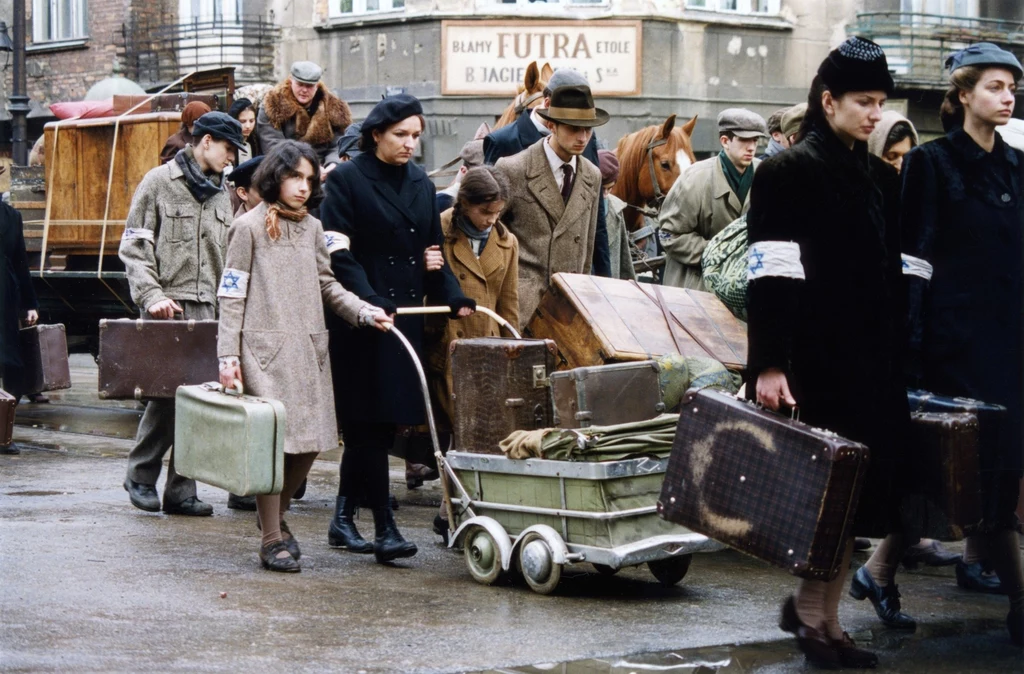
(605, 570)
(482, 556)
(670, 571)
(537, 564)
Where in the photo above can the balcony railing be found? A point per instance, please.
(916, 45)
(165, 52)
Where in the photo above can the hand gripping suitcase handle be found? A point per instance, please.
(237, 390)
(406, 311)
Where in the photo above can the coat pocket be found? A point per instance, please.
(179, 222)
(320, 342)
(264, 345)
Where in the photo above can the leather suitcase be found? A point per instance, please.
(7, 406)
(152, 358)
(231, 441)
(162, 103)
(606, 394)
(768, 486)
(499, 386)
(948, 505)
(44, 351)
(597, 320)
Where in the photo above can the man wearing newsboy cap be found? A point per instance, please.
(555, 196)
(301, 108)
(708, 196)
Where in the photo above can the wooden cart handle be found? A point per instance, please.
(408, 311)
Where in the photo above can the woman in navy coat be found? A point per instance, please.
(384, 236)
(962, 221)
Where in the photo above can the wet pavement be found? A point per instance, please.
(89, 583)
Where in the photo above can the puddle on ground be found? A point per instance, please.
(37, 493)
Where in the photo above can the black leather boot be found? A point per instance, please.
(343, 533)
(389, 543)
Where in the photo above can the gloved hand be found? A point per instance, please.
(458, 304)
(389, 307)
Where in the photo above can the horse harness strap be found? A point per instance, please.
(529, 99)
(657, 142)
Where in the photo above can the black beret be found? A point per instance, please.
(242, 174)
(221, 126)
(392, 110)
(239, 106)
(856, 65)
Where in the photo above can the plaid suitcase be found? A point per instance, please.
(44, 350)
(129, 369)
(499, 386)
(7, 406)
(605, 395)
(770, 487)
(948, 505)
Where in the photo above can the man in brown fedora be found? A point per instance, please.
(555, 196)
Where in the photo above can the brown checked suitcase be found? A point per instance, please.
(499, 386)
(44, 351)
(606, 394)
(949, 504)
(597, 320)
(161, 103)
(7, 405)
(152, 358)
(771, 487)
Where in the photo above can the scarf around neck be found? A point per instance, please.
(199, 184)
(738, 183)
(473, 234)
(276, 210)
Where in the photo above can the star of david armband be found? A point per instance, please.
(234, 284)
(780, 259)
(915, 266)
(336, 241)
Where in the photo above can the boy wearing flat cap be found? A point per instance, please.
(555, 196)
(708, 196)
(301, 108)
(173, 252)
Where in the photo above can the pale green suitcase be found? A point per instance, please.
(228, 440)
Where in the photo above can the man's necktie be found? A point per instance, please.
(566, 182)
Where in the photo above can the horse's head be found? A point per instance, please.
(669, 158)
(529, 94)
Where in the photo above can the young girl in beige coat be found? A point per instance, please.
(272, 337)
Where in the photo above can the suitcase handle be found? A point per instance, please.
(238, 389)
(407, 311)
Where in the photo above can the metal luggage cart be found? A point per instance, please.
(531, 517)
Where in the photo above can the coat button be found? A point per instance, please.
(412, 260)
(462, 276)
(412, 230)
(576, 238)
(391, 292)
(1006, 198)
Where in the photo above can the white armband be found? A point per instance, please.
(131, 233)
(774, 258)
(336, 241)
(915, 266)
(234, 283)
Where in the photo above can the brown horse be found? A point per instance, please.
(650, 160)
(531, 93)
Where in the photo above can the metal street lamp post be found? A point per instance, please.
(18, 101)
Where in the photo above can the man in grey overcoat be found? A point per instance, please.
(555, 196)
(173, 252)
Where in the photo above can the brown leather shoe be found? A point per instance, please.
(816, 647)
(852, 657)
(272, 559)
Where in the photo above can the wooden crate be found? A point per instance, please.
(77, 171)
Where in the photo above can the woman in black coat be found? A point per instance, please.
(384, 235)
(17, 303)
(963, 217)
(825, 307)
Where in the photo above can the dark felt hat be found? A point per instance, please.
(348, 144)
(984, 54)
(609, 165)
(574, 105)
(221, 126)
(242, 174)
(392, 110)
(858, 64)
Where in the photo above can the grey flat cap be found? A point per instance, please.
(742, 123)
(566, 77)
(306, 72)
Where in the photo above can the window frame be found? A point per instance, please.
(743, 7)
(359, 8)
(45, 31)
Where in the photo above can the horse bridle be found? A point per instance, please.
(529, 99)
(659, 198)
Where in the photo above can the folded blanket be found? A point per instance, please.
(597, 443)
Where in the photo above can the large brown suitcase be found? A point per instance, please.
(152, 358)
(607, 394)
(7, 406)
(766, 485)
(499, 386)
(597, 320)
(948, 505)
(161, 103)
(44, 352)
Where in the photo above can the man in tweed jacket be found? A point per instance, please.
(173, 252)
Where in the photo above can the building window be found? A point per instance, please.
(964, 9)
(350, 7)
(58, 20)
(738, 6)
(541, 3)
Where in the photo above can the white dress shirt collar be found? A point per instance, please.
(556, 162)
(538, 122)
